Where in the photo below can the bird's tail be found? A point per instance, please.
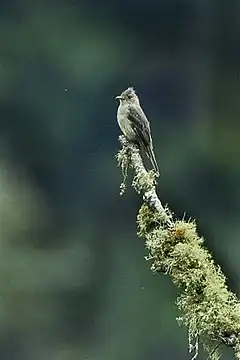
(152, 158)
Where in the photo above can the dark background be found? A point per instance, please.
(73, 280)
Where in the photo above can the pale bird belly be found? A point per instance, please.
(126, 128)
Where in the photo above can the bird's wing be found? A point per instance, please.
(140, 125)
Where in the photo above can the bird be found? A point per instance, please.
(134, 124)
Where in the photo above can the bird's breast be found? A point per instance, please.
(125, 125)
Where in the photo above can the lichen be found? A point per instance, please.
(208, 309)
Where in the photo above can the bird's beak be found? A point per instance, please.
(119, 97)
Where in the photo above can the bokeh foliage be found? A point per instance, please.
(73, 281)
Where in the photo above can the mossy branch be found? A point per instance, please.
(208, 309)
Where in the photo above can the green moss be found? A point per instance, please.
(208, 309)
(123, 162)
(144, 181)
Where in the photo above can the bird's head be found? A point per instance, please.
(128, 96)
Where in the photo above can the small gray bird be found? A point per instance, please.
(134, 124)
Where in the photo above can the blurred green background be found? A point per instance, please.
(73, 280)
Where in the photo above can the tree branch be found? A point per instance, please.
(208, 309)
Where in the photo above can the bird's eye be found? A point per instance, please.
(129, 96)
